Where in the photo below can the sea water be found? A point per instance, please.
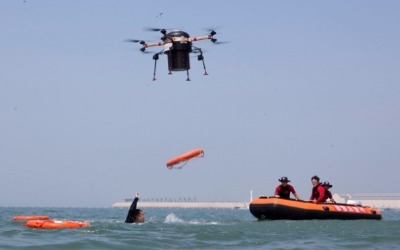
(179, 228)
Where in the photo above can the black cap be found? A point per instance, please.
(326, 183)
(284, 179)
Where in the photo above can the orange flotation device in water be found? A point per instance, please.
(56, 224)
(31, 217)
(185, 157)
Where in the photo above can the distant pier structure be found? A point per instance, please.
(378, 200)
(381, 201)
(186, 203)
(180, 204)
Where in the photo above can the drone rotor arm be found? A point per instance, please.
(199, 38)
(154, 44)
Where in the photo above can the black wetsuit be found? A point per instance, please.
(132, 213)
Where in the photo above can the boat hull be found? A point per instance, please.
(272, 208)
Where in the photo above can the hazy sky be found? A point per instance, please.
(302, 88)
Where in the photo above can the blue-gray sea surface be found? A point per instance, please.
(178, 228)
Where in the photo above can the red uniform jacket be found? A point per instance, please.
(318, 193)
(284, 192)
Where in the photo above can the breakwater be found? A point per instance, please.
(145, 204)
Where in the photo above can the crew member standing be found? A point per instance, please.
(284, 189)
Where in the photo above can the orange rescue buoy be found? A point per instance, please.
(31, 217)
(56, 224)
(184, 157)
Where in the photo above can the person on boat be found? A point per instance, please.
(284, 189)
(328, 194)
(135, 215)
(318, 191)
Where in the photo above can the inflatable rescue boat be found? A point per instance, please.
(272, 208)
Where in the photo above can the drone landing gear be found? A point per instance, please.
(171, 68)
(187, 73)
(155, 58)
(154, 73)
(200, 57)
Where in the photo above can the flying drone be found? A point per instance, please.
(177, 45)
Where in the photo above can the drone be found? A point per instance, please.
(177, 45)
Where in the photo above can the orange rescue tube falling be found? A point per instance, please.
(184, 158)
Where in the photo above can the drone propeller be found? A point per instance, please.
(216, 42)
(135, 41)
(152, 29)
(197, 51)
(146, 52)
(163, 31)
(142, 42)
(209, 29)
